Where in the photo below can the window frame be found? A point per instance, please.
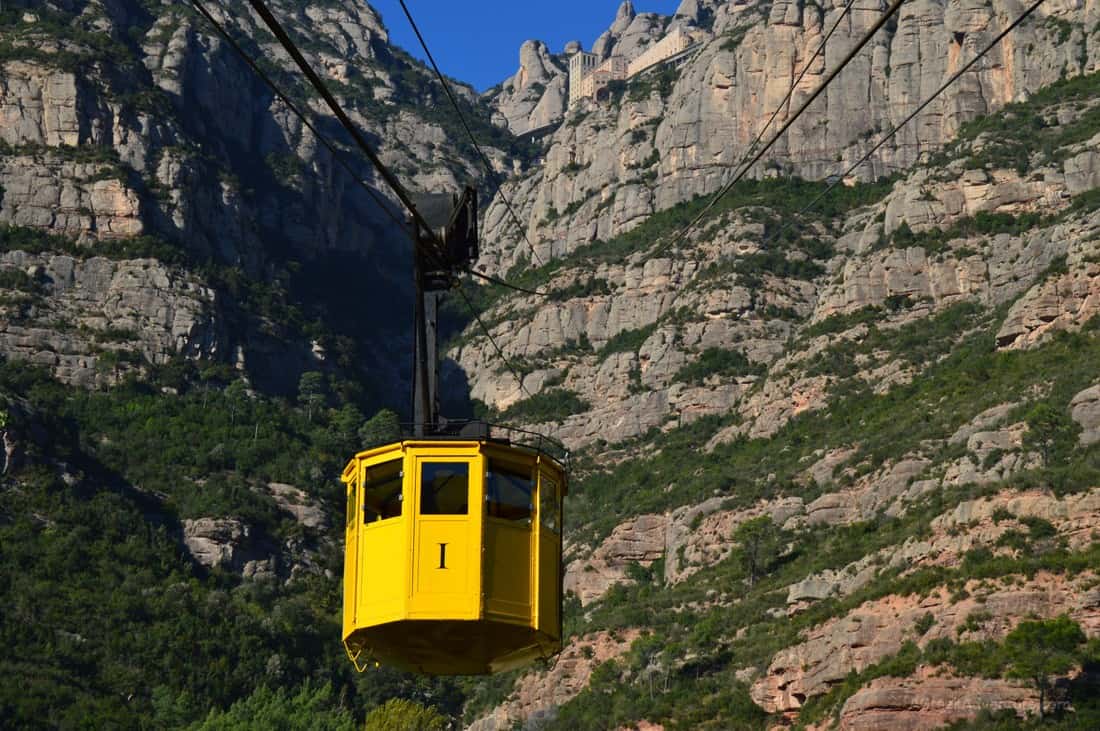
(554, 500)
(399, 496)
(424, 461)
(517, 468)
(352, 504)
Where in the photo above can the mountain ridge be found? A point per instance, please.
(830, 465)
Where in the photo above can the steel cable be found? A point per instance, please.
(497, 180)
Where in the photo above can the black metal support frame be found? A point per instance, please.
(435, 269)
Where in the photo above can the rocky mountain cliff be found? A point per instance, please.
(135, 122)
(177, 250)
(830, 465)
(890, 397)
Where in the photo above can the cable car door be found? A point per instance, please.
(550, 548)
(445, 578)
(509, 507)
(351, 553)
(382, 543)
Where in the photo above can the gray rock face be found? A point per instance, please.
(971, 524)
(678, 308)
(832, 583)
(1012, 263)
(95, 309)
(1086, 412)
(216, 542)
(1064, 302)
(197, 154)
(536, 96)
(982, 422)
(630, 34)
(726, 93)
(54, 197)
(640, 541)
(878, 629)
(931, 701)
(296, 502)
(38, 106)
(689, 539)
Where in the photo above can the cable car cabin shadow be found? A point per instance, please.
(453, 556)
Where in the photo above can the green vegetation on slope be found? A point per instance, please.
(781, 195)
(949, 392)
(1035, 651)
(110, 623)
(718, 362)
(707, 639)
(1025, 135)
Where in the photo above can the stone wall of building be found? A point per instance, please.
(580, 65)
(612, 69)
(671, 45)
(588, 76)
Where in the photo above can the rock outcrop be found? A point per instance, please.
(878, 629)
(687, 539)
(971, 525)
(38, 106)
(95, 315)
(537, 695)
(229, 544)
(929, 700)
(1086, 412)
(300, 505)
(1064, 302)
(720, 101)
(536, 96)
(215, 542)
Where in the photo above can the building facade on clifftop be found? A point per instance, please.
(613, 69)
(588, 76)
(579, 66)
(668, 47)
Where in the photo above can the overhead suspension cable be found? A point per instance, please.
(889, 135)
(492, 340)
(340, 160)
(954, 77)
(794, 84)
(390, 179)
(297, 111)
(893, 8)
(502, 283)
(497, 180)
(315, 81)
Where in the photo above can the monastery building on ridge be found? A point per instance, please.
(588, 76)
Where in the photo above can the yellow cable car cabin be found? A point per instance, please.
(453, 556)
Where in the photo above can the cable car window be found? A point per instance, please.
(382, 492)
(444, 488)
(549, 506)
(509, 492)
(353, 487)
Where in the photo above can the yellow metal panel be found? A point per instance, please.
(549, 584)
(351, 556)
(383, 568)
(381, 454)
(548, 603)
(508, 570)
(446, 581)
(442, 583)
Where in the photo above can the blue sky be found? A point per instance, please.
(478, 42)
